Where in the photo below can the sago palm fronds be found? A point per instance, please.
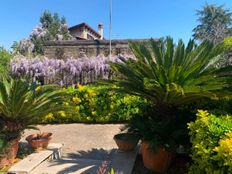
(23, 104)
(169, 74)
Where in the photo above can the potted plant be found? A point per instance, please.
(8, 147)
(39, 140)
(22, 105)
(169, 76)
(8, 153)
(160, 138)
(126, 141)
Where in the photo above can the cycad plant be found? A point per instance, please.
(23, 104)
(171, 75)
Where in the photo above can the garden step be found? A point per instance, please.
(26, 165)
(69, 165)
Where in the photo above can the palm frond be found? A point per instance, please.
(173, 74)
(25, 103)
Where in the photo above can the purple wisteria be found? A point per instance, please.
(64, 72)
(38, 32)
(26, 46)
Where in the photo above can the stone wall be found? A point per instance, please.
(90, 48)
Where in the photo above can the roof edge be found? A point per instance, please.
(83, 24)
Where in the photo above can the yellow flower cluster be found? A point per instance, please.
(224, 152)
(203, 120)
(49, 117)
(62, 113)
(81, 87)
(38, 88)
(76, 100)
(89, 103)
(202, 113)
(225, 147)
(228, 41)
(66, 103)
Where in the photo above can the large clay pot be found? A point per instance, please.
(39, 140)
(126, 141)
(9, 153)
(158, 160)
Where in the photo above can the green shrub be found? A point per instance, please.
(217, 107)
(97, 104)
(5, 57)
(211, 139)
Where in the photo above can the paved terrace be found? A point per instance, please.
(85, 147)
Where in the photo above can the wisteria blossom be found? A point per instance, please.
(50, 28)
(65, 72)
(64, 27)
(59, 37)
(38, 32)
(26, 46)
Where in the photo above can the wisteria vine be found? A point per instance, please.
(63, 72)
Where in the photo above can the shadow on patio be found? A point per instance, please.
(83, 162)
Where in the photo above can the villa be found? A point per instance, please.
(83, 31)
(87, 43)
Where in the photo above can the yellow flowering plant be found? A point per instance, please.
(98, 104)
(211, 138)
(224, 152)
(228, 41)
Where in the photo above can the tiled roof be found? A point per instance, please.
(84, 25)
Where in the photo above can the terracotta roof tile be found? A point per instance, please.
(84, 25)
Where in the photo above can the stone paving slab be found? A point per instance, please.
(68, 166)
(33, 160)
(123, 162)
(84, 137)
(85, 147)
(28, 164)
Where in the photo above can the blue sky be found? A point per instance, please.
(131, 18)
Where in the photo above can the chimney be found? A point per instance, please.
(100, 30)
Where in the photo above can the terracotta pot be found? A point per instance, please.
(10, 153)
(126, 141)
(4, 161)
(39, 140)
(158, 160)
